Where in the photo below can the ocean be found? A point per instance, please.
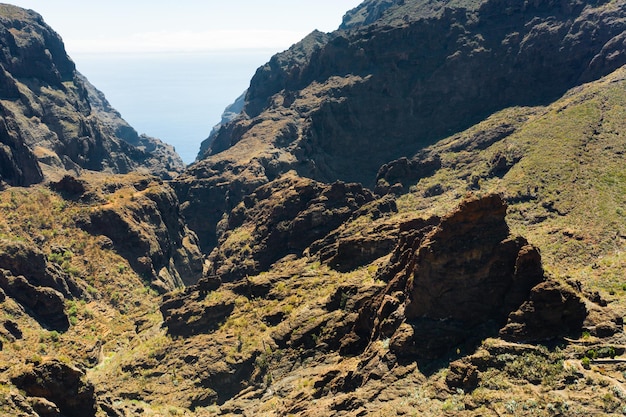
(176, 97)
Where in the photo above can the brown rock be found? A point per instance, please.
(452, 284)
(44, 408)
(29, 261)
(184, 315)
(408, 171)
(150, 233)
(70, 187)
(282, 217)
(60, 385)
(45, 304)
(553, 310)
(13, 329)
(462, 375)
(348, 248)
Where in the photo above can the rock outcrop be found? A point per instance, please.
(45, 304)
(148, 230)
(39, 285)
(355, 245)
(27, 260)
(191, 313)
(553, 310)
(458, 282)
(280, 218)
(50, 114)
(18, 164)
(61, 386)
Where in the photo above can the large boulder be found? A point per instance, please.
(552, 310)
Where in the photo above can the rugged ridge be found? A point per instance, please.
(428, 69)
(482, 277)
(52, 115)
(281, 218)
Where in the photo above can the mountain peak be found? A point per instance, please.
(54, 120)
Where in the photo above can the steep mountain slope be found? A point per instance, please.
(481, 276)
(52, 115)
(338, 106)
(426, 329)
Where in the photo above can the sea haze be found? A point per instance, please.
(176, 97)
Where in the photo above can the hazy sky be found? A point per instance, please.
(185, 25)
(172, 66)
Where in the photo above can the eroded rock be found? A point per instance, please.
(60, 385)
(29, 261)
(280, 218)
(45, 304)
(186, 316)
(453, 283)
(150, 233)
(553, 310)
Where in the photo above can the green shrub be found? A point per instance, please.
(586, 362)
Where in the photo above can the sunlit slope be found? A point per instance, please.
(561, 170)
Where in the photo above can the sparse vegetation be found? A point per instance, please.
(282, 331)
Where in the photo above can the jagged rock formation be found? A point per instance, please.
(51, 114)
(349, 247)
(148, 231)
(280, 218)
(61, 386)
(449, 284)
(453, 283)
(18, 165)
(319, 297)
(27, 260)
(44, 303)
(231, 112)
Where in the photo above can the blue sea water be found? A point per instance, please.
(176, 97)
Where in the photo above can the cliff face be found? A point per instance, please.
(398, 77)
(52, 115)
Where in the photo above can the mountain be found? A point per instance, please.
(54, 120)
(420, 213)
(427, 69)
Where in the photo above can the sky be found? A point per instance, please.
(185, 25)
(171, 67)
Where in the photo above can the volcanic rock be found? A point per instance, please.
(24, 259)
(61, 385)
(149, 231)
(185, 317)
(349, 247)
(399, 76)
(455, 282)
(45, 304)
(282, 217)
(51, 115)
(553, 310)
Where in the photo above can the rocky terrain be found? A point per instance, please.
(421, 213)
(53, 119)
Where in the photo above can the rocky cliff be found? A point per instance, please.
(54, 120)
(396, 78)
